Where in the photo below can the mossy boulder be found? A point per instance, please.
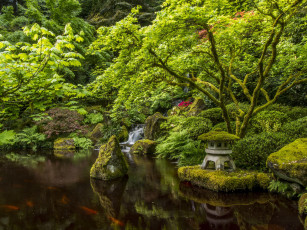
(96, 134)
(290, 162)
(174, 111)
(223, 181)
(197, 106)
(64, 144)
(111, 162)
(302, 204)
(123, 134)
(152, 126)
(143, 147)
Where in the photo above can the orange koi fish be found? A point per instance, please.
(88, 211)
(9, 207)
(64, 200)
(116, 221)
(29, 203)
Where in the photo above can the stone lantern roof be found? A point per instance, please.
(218, 135)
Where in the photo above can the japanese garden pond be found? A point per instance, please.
(56, 192)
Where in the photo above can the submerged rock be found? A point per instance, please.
(64, 144)
(290, 162)
(197, 107)
(152, 126)
(111, 162)
(143, 147)
(239, 180)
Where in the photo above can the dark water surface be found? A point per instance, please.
(57, 193)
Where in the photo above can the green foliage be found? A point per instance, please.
(226, 55)
(278, 186)
(31, 73)
(195, 126)
(296, 129)
(252, 152)
(26, 160)
(110, 129)
(7, 137)
(93, 118)
(293, 113)
(179, 146)
(268, 121)
(213, 114)
(82, 143)
(29, 138)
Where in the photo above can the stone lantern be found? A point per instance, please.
(218, 150)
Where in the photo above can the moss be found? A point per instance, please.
(111, 162)
(124, 134)
(197, 106)
(96, 134)
(152, 126)
(218, 135)
(291, 162)
(302, 204)
(64, 143)
(144, 147)
(239, 180)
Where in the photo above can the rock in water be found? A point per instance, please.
(111, 162)
(64, 144)
(144, 147)
(152, 126)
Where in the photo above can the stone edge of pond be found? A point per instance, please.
(223, 181)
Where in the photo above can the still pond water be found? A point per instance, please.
(56, 193)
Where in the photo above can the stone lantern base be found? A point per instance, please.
(219, 162)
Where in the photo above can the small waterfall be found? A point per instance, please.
(137, 133)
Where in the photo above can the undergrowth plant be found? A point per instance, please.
(30, 138)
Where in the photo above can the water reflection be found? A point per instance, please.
(58, 194)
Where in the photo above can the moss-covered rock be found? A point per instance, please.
(197, 107)
(111, 162)
(96, 134)
(290, 162)
(152, 126)
(143, 147)
(174, 111)
(124, 134)
(64, 144)
(302, 204)
(218, 135)
(239, 180)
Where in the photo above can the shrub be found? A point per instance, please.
(196, 126)
(232, 109)
(30, 138)
(62, 121)
(223, 127)
(268, 121)
(252, 152)
(82, 143)
(214, 115)
(293, 113)
(296, 129)
(179, 146)
(7, 138)
(93, 118)
(110, 129)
